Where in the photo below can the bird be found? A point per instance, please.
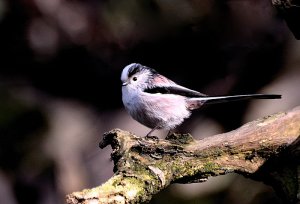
(159, 103)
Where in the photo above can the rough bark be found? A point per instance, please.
(267, 149)
(290, 11)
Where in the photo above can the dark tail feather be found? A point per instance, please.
(224, 99)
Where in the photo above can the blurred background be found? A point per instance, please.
(60, 86)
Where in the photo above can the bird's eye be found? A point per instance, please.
(134, 78)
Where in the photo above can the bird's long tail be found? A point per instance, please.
(198, 102)
(223, 99)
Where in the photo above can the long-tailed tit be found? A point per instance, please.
(159, 103)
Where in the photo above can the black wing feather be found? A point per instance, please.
(173, 90)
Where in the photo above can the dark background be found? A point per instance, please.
(60, 90)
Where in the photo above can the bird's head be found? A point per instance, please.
(137, 76)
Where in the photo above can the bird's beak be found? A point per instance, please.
(124, 83)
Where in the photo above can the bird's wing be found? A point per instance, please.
(174, 89)
(164, 85)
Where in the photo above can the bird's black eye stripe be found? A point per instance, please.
(132, 71)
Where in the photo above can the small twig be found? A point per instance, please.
(290, 11)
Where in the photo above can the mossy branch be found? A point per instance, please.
(267, 149)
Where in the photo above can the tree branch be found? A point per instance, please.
(267, 149)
